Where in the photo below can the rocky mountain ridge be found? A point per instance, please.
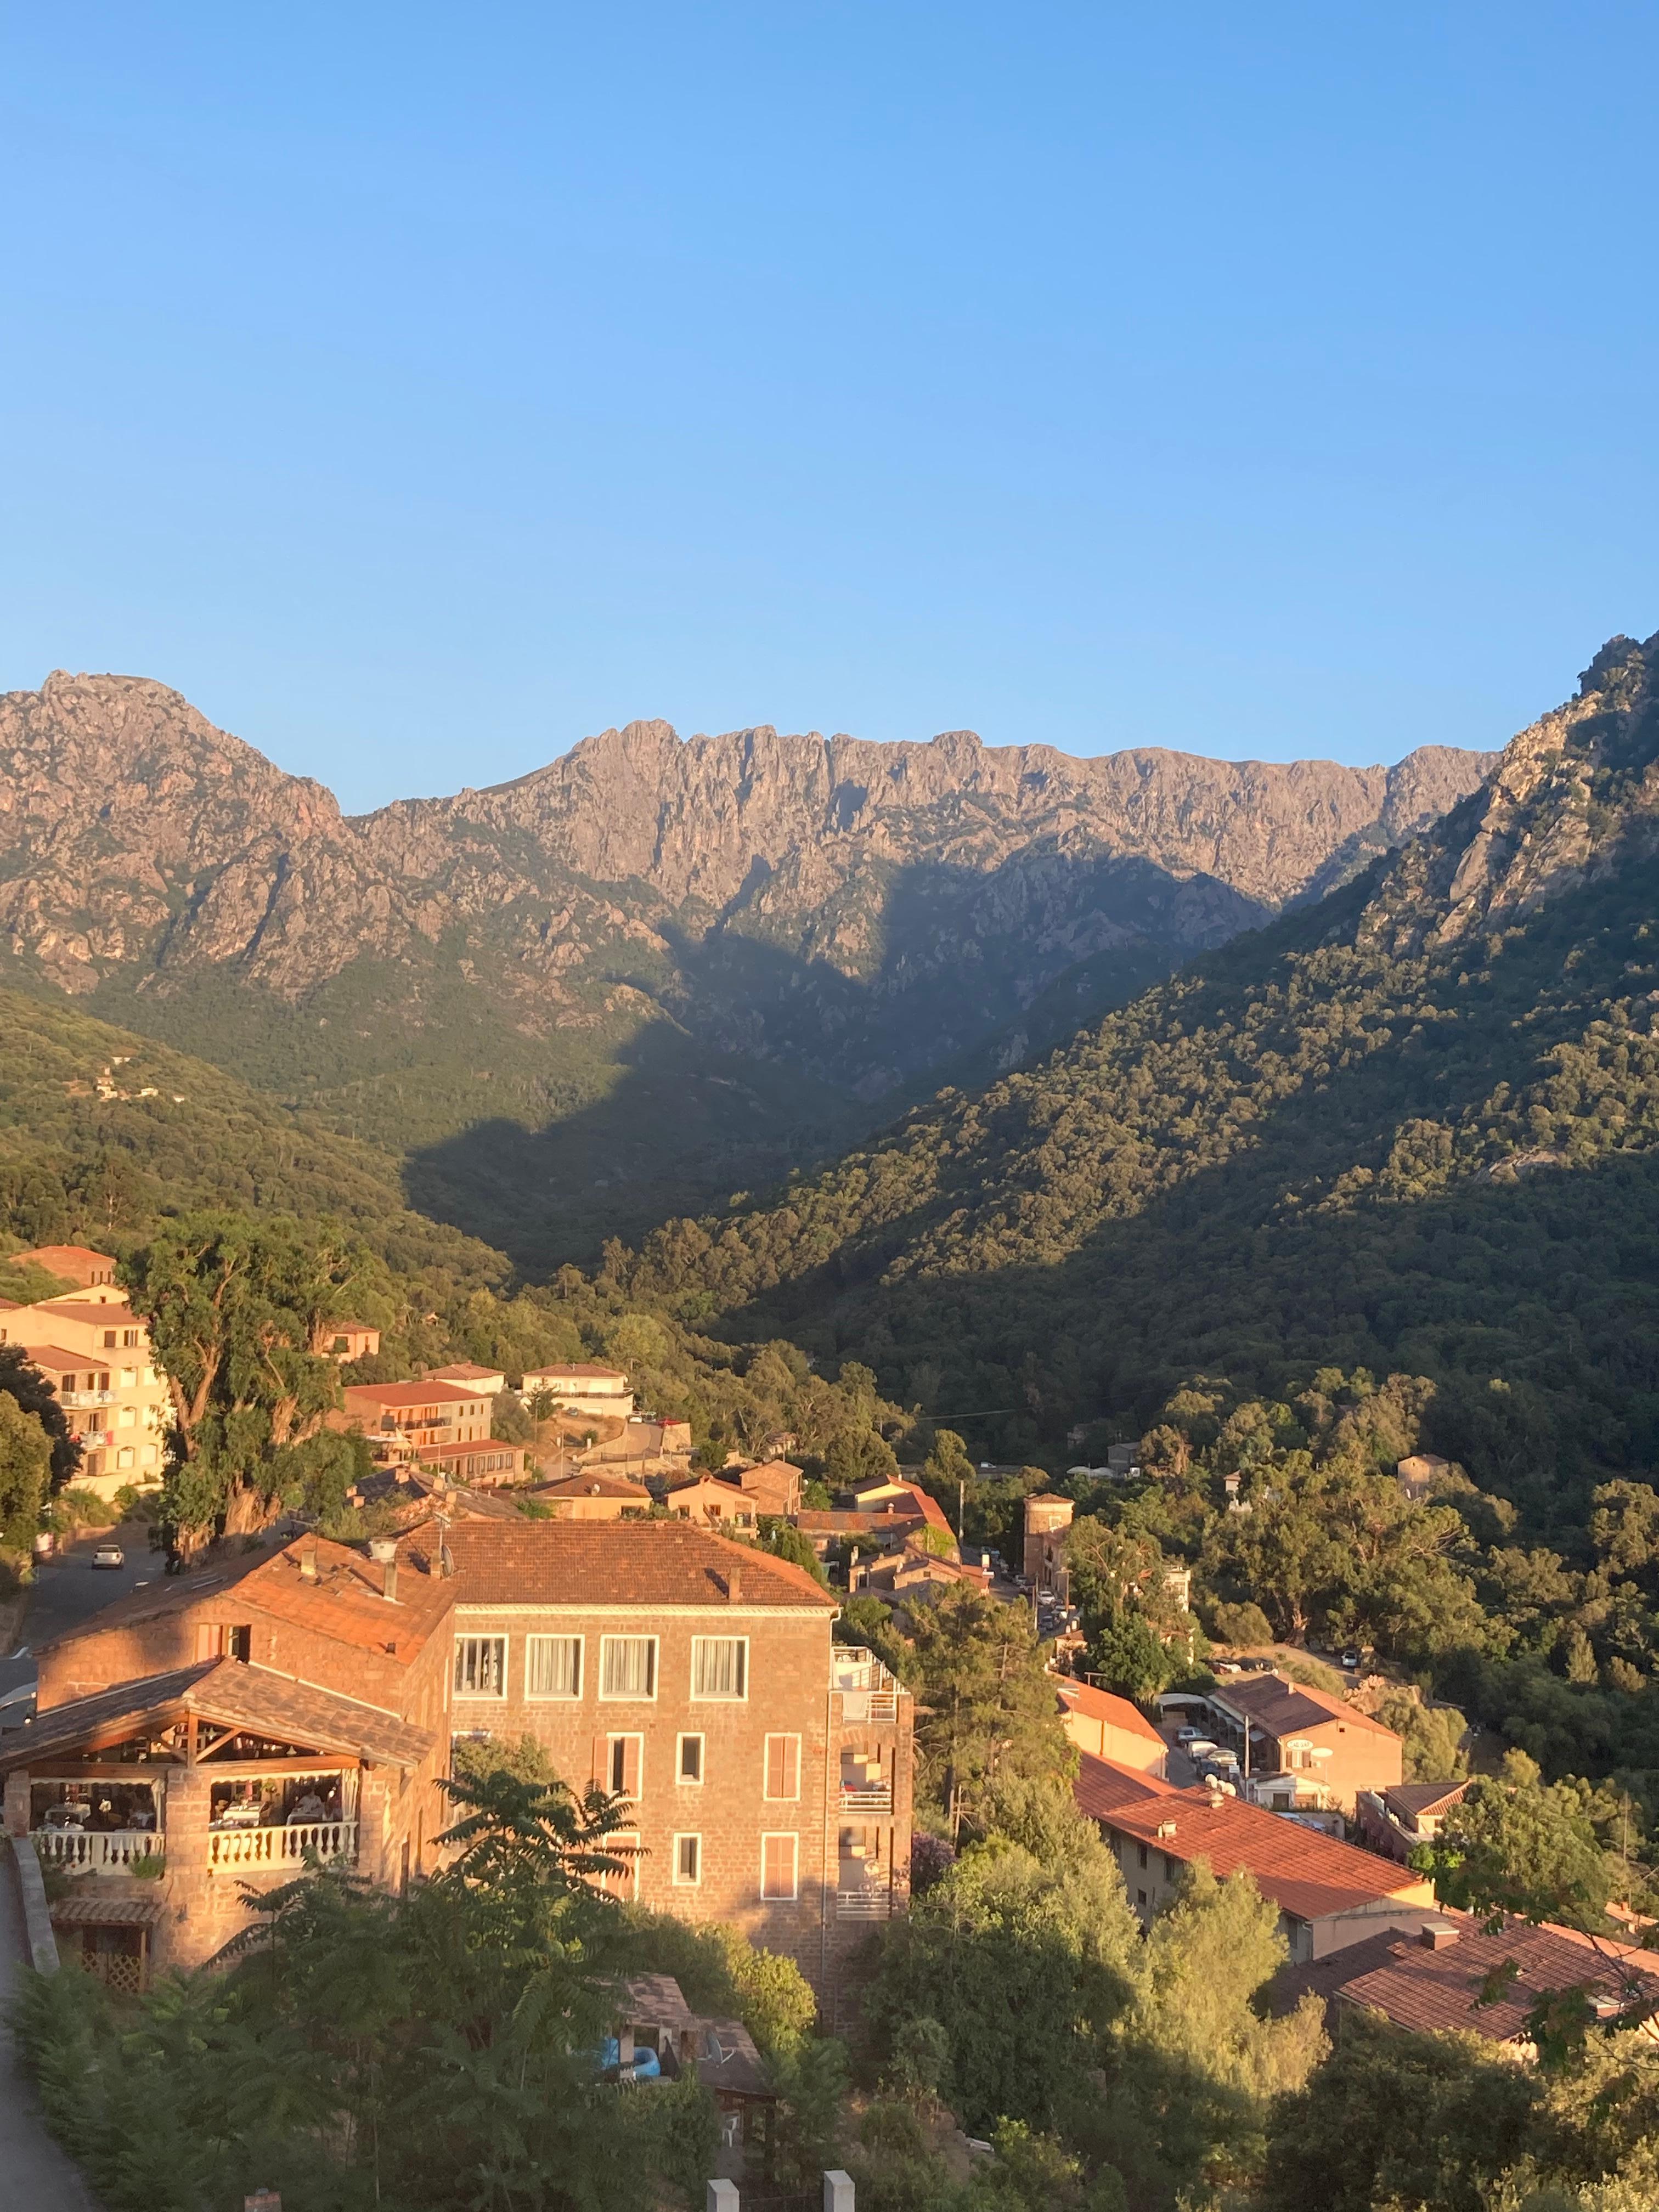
(815, 924)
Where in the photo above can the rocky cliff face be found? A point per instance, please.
(855, 918)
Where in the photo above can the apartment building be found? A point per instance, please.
(1300, 1747)
(95, 1353)
(401, 1421)
(767, 1768)
(206, 1732)
(1110, 1727)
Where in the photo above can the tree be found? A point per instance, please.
(236, 1307)
(1131, 1659)
(31, 1391)
(986, 1707)
(1513, 1850)
(25, 1473)
(785, 1541)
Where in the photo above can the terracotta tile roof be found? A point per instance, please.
(61, 1726)
(105, 1910)
(1304, 1873)
(253, 1697)
(1102, 1787)
(53, 1360)
(465, 1371)
(235, 1694)
(1423, 1989)
(595, 1485)
(1410, 1800)
(82, 1255)
(612, 1563)
(1323, 1978)
(113, 1315)
(346, 1602)
(1279, 1708)
(1101, 1706)
(399, 1397)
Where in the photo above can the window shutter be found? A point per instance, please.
(602, 1762)
(631, 1748)
(783, 1766)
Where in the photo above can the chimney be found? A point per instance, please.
(308, 1560)
(1436, 1936)
(390, 1591)
(733, 1584)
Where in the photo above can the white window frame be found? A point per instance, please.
(630, 1873)
(783, 1798)
(492, 1697)
(781, 1896)
(631, 1697)
(681, 1880)
(683, 1780)
(555, 1696)
(721, 1697)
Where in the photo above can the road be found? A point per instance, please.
(68, 1590)
(34, 2172)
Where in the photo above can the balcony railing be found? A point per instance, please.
(86, 1397)
(873, 1797)
(96, 1851)
(284, 1846)
(866, 1690)
(864, 1905)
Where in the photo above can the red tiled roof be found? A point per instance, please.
(1102, 1787)
(594, 1486)
(395, 1396)
(1414, 1799)
(612, 1563)
(53, 1360)
(584, 1368)
(1101, 1706)
(1304, 1873)
(80, 1256)
(1418, 1988)
(460, 1372)
(1281, 1708)
(235, 1694)
(345, 1603)
(112, 1316)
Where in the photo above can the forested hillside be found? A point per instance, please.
(1415, 1126)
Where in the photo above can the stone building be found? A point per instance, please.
(770, 1769)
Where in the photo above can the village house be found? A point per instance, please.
(404, 1420)
(712, 1502)
(70, 1263)
(580, 1387)
(1418, 1475)
(96, 1353)
(346, 1341)
(1298, 1746)
(210, 1730)
(1329, 1894)
(485, 1463)
(594, 1495)
(1398, 1820)
(775, 1486)
(1047, 1520)
(1110, 1727)
(1449, 1975)
(488, 1382)
(889, 1515)
(769, 1769)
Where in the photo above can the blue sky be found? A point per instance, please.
(419, 389)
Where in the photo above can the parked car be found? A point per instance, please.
(1188, 1735)
(1351, 1657)
(109, 1555)
(1201, 1751)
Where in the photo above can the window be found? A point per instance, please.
(626, 1883)
(553, 1666)
(109, 1340)
(1140, 1853)
(481, 1666)
(126, 1456)
(129, 1339)
(720, 1666)
(619, 1761)
(778, 1867)
(126, 1417)
(1140, 1897)
(628, 1666)
(691, 1758)
(1170, 1869)
(783, 1766)
(688, 1861)
(220, 1640)
(129, 1378)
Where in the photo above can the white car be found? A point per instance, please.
(1188, 1735)
(1201, 1748)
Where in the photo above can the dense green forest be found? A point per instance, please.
(1414, 1128)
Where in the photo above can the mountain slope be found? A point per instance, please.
(1417, 1125)
(654, 967)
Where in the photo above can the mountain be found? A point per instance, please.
(654, 969)
(1415, 1125)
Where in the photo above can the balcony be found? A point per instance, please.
(867, 1692)
(86, 1398)
(285, 1846)
(864, 1905)
(867, 1786)
(96, 1851)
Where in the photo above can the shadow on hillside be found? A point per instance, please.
(765, 1058)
